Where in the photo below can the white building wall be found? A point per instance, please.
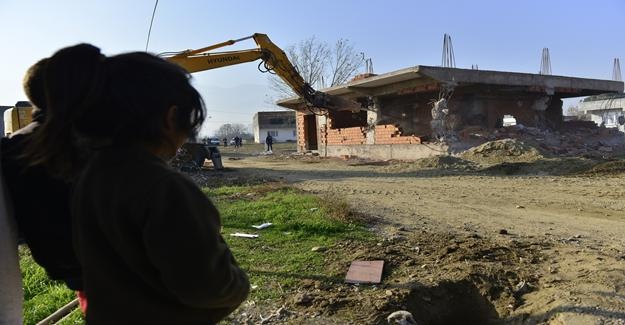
(281, 124)
(256, 133)
(283, 135)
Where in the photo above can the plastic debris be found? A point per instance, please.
(263, 226)
(238, 234)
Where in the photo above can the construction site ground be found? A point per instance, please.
(465, 242)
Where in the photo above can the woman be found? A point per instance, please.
(147, 238)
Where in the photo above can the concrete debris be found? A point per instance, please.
(499, 151)
(439, 113)
(192, 157)
(574, 139)
(401, 317)
(278, 314)
(521, 288)
(303, 299)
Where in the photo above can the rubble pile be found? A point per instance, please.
(502, 151)
(445, 162)
(183, 161)
(578, 141)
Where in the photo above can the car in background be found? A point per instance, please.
(214, 141)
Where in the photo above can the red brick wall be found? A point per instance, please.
(301, 132)
(345, 136)
(384, 134)
(391, 134)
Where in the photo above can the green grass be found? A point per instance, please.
(42, 296)
(281, 257)
(275, 262)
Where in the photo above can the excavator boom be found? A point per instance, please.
(274, 60)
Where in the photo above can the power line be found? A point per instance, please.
(147, 42)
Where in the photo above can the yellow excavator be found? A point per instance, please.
(274, 60)
(17, 117)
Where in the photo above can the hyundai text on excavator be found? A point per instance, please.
(273, 60)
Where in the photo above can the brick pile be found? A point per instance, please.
(391, 134)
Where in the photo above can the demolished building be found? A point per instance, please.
(423, 111)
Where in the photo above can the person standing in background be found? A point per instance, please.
(269, 142)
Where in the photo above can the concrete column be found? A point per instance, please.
(553, 114)
(539, 107)
(322, 134)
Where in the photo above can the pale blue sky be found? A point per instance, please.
(583, 36)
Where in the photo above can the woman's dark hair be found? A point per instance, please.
(121, 100)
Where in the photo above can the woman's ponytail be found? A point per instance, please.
(74, 82)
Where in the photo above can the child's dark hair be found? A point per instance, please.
(34, 88)
(91, 98)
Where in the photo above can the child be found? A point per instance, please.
(40, 202)
(147, 238)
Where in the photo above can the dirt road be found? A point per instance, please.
(579, 222)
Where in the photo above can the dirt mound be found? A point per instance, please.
(546, 166)
(440, 163)
(611, 167)
(502, 151)
(439, 278)
(444, 162)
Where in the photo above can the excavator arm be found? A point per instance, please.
(274, 60)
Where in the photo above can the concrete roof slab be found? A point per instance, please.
(394, 82)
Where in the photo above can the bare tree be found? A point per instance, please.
(230, 130)
(319, 64)
(344, 62)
